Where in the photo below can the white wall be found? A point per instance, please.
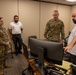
(34, 15)
(8, 8)
(29, 16)
(46, 15)
(65, 12)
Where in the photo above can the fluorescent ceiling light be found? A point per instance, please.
(71, 0)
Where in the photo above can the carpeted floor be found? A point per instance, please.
(17, 63)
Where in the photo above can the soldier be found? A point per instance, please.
(4, 43)
(54, 28)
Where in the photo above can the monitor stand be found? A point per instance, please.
(41, 60)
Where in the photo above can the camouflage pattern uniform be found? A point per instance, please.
(53, 30)
(3, 47)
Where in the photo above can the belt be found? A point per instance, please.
(16, 34)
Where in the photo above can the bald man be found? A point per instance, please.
(71, 48)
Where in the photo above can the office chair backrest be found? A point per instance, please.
(25, 50)
(33, 36)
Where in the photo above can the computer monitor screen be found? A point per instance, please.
(53, 51)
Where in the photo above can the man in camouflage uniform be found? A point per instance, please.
(54, 28)
(4, 45)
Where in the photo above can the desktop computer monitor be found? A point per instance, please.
(53, 51)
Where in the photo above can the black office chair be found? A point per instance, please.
(33, 36)
(26, 54)
(29, 60)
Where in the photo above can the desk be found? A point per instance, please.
(65, 66)
(29, 60)
(34, 69)
(31, 64)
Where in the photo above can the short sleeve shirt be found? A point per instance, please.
(16, 27)
(73, 33)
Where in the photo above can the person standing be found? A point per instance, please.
(54, 28)
(4, 46)
(15, 29)
(71, 48)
